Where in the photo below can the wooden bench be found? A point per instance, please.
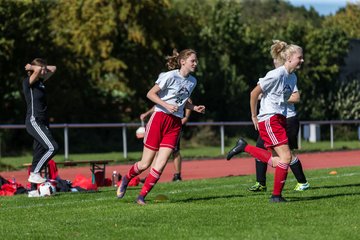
(95, 165)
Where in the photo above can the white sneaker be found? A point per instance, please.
(302, 187)
(36, 178)
(33, 193)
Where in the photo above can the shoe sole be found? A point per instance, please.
(37, 182)
(301, 190)
(257, 190)
(140, 202)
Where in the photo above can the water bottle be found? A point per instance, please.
(13, 180)
(114, 178)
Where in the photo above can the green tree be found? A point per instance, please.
(23, 36)
(347, 19)
(347, 100)
(325, 49)
(118, 46)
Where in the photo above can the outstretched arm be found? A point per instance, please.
(198, 108)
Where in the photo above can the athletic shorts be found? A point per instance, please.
(273, 131)
(292, 131)
(162, 130)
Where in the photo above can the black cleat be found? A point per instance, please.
(239, 147)
(277, 199)
(177, 177)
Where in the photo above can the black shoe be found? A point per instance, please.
(277, 199)
(239, 147)
(177, 177)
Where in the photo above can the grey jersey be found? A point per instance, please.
(175, 90)
(277, 86)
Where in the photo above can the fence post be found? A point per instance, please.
(124, 141)
(66, 141)
(222, 138)
(331, 136)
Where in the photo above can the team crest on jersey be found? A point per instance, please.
(182, 94)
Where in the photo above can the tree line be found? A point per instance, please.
(110, 52)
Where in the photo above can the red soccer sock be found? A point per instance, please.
(133, 172)
(281, 172)
(258, 153)
(150, 181)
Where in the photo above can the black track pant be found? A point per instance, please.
(44, 147)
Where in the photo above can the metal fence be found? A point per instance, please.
(221, 125)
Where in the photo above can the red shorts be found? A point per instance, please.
(273, 131)
(162, 130)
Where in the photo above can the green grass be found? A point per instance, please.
(188, 152)
(200, 209)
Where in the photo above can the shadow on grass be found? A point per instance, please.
(193, 199)
(297, 199)
(336, 186)
(318, 197)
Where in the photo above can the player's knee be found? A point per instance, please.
(287, 158)
(54, 148)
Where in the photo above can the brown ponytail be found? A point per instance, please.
(173, 62)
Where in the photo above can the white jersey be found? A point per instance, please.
(277, 87)
(175, 90)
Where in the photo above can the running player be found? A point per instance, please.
(277, 88)
(170, 94)
(292, 130)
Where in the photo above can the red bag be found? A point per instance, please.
(8, 189)
(83, 182)
(53, 171)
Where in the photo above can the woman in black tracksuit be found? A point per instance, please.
(37, 121)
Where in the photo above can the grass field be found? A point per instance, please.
(203, 209)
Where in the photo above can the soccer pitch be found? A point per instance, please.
(219, 208)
